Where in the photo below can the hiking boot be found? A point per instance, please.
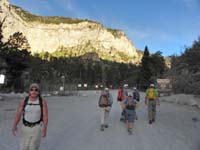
(153, 120)
(150, 121)
(102, 128)
(122, 119)
(106, 126)
(130, 132)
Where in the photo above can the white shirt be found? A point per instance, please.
(32, 111)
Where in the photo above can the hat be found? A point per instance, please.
(152, 85)
(125, 85)
(34, 85)
(106, 89)
(130, 95)
(104, 93)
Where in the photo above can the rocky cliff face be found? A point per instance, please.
(51, 36)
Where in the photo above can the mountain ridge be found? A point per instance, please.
(49, 37)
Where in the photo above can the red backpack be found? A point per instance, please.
(119, 95)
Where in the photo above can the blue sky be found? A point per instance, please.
(163, 25)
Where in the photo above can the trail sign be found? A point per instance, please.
(2, 78)
(164, 87)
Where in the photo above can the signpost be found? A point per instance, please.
(164, 87)
(2, 78)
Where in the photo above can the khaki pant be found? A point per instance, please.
(31, 137)
(104, 115)
(152, 109)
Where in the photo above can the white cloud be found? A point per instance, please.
(190, 4)
(147, 33)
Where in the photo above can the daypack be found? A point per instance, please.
(124, 94)
(41, 106)
(136, 95)
(119, 96)
(151, 93)
(130, 104)
(104, 101)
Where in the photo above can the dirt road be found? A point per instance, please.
(74, 124)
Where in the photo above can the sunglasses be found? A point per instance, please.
(36, 90)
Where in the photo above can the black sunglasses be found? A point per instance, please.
(36, 90)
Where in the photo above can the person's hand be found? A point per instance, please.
(14, 130)
(44, 132)
(158, 103)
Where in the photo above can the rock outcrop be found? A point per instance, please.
(49, 37)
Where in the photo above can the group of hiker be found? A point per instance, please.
(129, 102)
(34, 112)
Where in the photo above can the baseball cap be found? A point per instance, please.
(34, 85)
(130, 94)
(125, 85)
(104, 93)
(106, 89)
(152, 85)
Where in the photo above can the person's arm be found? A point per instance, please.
(157, 97)
(138, 96)
(17, 117)
(45, 118)
(124, 103)
(136, 103)
(146, 97)
(111, 99)
(99, 100)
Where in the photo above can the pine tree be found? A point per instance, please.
(18, 41)
(145, 69)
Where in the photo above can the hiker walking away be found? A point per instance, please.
(152, 99)
(119, 94)
(124, 96)
(34, 111)
(120, 100)
(105, 104)
(136, 96)
(130, 106)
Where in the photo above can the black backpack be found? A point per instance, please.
(41, 106)
(136, 95)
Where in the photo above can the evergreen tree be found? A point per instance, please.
(192, 56)
(18, 41)
(145, 68)
(3, 64)
(185, 70)
(16, 62)
(158, 65)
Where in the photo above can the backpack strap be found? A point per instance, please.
(25, 103)
(41, 106)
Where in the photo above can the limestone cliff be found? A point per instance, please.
(49, 34)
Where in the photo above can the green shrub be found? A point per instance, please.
(115, 33)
